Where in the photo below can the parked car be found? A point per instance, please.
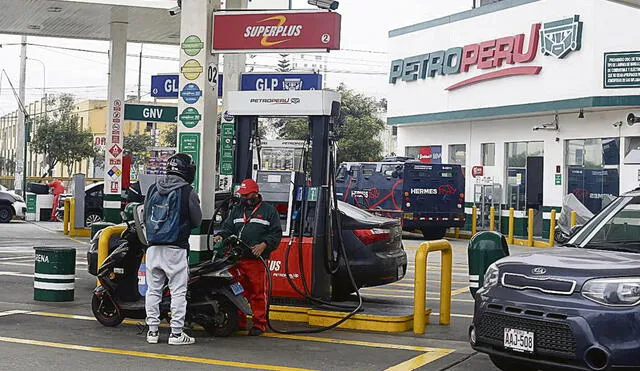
(374, 248)
(93, 203)
(12, 206)
(573, 307)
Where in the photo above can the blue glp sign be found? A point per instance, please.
(281, 81)
(166, 86)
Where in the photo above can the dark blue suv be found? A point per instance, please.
(575, 307)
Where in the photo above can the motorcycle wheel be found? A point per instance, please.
(560, 237)
(225, 322)
(105, 311)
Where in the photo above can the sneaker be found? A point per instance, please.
(254, 331)
(152, 337)
(181, 339)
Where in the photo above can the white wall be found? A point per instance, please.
(607, 27)
(474, 133)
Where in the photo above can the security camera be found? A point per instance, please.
(632, 119)
(617, 124)
(175, 11)
(324, 4)
(553, 125)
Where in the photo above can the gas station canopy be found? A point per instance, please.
(149, 20)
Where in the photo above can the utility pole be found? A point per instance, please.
(21, 145)
(139, 83)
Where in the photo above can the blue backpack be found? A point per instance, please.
(162, 216)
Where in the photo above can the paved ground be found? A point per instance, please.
(61, 336)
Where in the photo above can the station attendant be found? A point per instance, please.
(257, 224)
(56, 188)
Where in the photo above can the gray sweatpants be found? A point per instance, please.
(170, 263)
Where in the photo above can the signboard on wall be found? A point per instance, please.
(621, 70)
(430, 154)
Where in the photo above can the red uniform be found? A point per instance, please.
(58, 189)
(253, 278)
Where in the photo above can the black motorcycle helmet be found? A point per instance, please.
(182, 165)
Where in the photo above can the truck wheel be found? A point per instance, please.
(505, 364)
(6, 213)
(434, 233)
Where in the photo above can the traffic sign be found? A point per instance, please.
(151, 113)
(281, 81)
(166, 86)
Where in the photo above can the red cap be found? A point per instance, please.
(248, 186)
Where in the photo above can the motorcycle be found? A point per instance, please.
(564, 231)
(213, 295)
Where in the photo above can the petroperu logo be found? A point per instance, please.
(277, 31)
(557, 39)
(275, 100)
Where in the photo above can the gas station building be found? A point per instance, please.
(534, 107)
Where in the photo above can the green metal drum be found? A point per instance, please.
(55, 274)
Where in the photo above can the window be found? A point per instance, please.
(622, 228)
(457, 154)
(394, 130)
(632, 150)
(594, 153)
(488, 154)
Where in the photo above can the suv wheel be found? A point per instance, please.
(93, 217)
(6, 213)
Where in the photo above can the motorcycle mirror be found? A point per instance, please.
(123, 215)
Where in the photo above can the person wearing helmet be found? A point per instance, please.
(257, 224)
(171, 210)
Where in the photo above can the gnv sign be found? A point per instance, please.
(282, 81)
(166, 86)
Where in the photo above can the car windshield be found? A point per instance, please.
(616, 228)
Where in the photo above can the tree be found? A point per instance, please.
(357, 128)
(59, 136)
(136, 146)
(284, 64)
(169, 136)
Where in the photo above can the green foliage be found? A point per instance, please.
(169, 136)
(357, 128)
(59, 136)
(136, 146)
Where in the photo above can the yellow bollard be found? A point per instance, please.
(492, 219)
(511, 225)
(420, 284)
(103, 242)
(474, 220)
(530, 229)
(456, 232)
(65, 217)
(552, 227)
(574, 219)
(72, 217)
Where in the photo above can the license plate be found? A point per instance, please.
(400, 272)
(237, 288)
(518, 340)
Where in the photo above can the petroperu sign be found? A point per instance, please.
(501, 57)
(269, 32)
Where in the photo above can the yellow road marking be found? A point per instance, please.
(454, 315)
(206, 361)
(428, 281)
(429, 354)
(421, 360)
(459, 291)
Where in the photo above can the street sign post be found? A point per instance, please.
(151, 113)
(166, 86)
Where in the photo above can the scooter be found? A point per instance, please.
(213, 295)
(564, 231)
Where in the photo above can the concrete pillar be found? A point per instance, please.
(115, 119)
(197, 122)
(234, 67)
(20, 129)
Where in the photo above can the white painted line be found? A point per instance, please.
(17, 258)
(10, 312)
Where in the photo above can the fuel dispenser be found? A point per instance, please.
(301, 267)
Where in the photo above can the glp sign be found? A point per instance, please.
(166, 86)
(557, 39)
(281, 81)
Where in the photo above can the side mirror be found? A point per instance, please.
(123, 215)
(575, 229)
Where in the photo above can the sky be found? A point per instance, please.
(362, 63)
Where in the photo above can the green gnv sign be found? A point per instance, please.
(146, 112)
